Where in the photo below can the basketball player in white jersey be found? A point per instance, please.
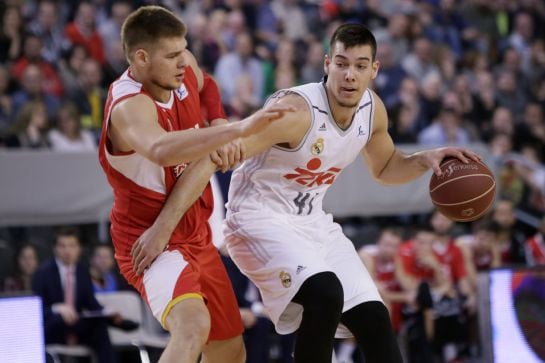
(309, 274)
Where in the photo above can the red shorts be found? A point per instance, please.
(188, 271)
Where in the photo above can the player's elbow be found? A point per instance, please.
(158, 154)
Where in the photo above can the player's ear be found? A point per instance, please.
(141, 57)
(327, 62)
(376, 67)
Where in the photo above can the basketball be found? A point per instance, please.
(464, 192)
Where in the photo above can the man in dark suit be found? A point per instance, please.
(65, 287)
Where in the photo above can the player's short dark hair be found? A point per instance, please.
(147, 25)
(354, 34)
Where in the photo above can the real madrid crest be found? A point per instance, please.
(285, 278)
(318, 147)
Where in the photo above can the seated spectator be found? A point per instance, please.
(65, 287)
(68, 135)
(445, 130)
(512, 235)
(32, 89)
(313, 68)
(379, 259)
(5, 100)
(102, 269)
(89, 96)
(11, 34)
(30, 128)
(32, 54)
(26, 262)
(535, 246)
(481, 248)
(83, 31)
(49, 28)
(239, 62)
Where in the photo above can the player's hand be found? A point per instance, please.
(433, 158)
(229, 155)
(263, 117)
(147, 247)
(248, 317)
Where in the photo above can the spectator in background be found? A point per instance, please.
(32, 54)
(32, 89)
(30, 128)
(11, 34)
(535, 246)
(419, 62)
(508, 94)
(313, 68)
(445, 130)
(65, 287)
(48, 27)
(70, 67)
(237, 63)
(511, 236)
(83, 31)
(522, 35)
(291, 19)
(395, 35)
(531, 129)
(283, 67)
(110, 29)
(104, 276)
(26, 262)
(390, 76)
(5, 100)
(89, 96)
(68, 135)
(379, 258)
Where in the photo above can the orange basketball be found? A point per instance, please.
(464, 192)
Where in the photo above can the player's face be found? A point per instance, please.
(168, 62)
(349, 73)
(388, 245)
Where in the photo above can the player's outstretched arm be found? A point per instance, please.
(135, 127)
(390, 166)
(290, 128)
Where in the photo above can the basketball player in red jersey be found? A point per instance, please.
(152, 128)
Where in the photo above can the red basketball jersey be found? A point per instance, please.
(140, 186)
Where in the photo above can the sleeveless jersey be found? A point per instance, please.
(294, 181)
(140, 186)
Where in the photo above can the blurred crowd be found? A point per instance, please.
(451, 72)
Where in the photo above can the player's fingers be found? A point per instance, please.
(242, 151)
(436, 169)
(216, 159)
(135, 251)
(460, 155)
(138, 259)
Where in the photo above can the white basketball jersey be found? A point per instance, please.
(294, 181)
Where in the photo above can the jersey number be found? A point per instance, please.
(302, 200)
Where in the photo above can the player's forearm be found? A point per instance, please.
(186, 191)
(177, 147)
(402, 168)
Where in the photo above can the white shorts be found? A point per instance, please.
(278, 252)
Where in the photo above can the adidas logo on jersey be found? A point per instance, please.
(322, 128)
(299, 269)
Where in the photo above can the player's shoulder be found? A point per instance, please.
(124, 86)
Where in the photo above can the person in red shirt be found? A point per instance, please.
(153, 128)
(83, 31)
(380, 262)
(535, 246)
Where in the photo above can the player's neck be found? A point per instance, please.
(342, 115)
(157, 92)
